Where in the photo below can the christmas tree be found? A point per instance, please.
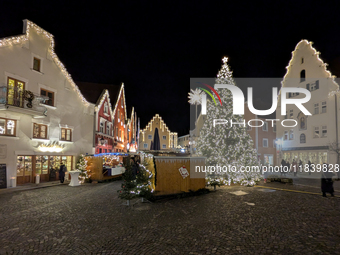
(129, 183)
(81, 166)
(226, 145)
(143, 180)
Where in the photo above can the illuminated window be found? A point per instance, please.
(7, 127)
(36, 64)
(66, 134)
(39, 131)
(48, 94)
(15, 92)
(106, 108)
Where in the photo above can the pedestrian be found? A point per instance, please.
(326, 181)
(62, 171)
(309, 167)
(294, 167)
(283, 164)
(300, 166)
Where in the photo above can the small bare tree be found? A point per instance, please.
(335, 147)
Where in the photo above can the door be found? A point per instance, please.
(41, 168)
(54, 167)
(15, 92)
(24, 169)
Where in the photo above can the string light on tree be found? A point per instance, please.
(195, 98)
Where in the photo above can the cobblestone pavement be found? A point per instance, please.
(90, 219)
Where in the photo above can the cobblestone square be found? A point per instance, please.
(90, 219)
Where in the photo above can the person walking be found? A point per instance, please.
(326, 181)
(62, 171)
(294, 167)
(283, 164)
(300, 166)
(309, 167)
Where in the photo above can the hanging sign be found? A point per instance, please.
(184, 172)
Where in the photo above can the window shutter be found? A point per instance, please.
(307, 86)
(317, 84)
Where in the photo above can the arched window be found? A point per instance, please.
(302, 138)
(302, 75)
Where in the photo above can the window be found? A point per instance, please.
(265, 127)
(36, 64)
(324, 107)
(285, 135)
(48, 94)
(15, 91)
(303, 124)
(293, 94)
(118, 115)
(117, 132)
(302, 138)
(265, 142)
(120, 135)
(302, 75)
(291, 134)
(164, 146)
(145, 145)
(302, 60)
(164, 137)
(66, 134)
(108, 128)
(7, 127)
(106, 108)
(274, 143)
(313, 86)
(274, 127)
(122, 103)
(316, 108)
(248, 128)
(324, 131)
(291, 114)
(316, 132)
(39, 131)
(150, 137)
(101, 128)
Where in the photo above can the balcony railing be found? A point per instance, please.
(23, 101)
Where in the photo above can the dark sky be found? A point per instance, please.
(155, 48)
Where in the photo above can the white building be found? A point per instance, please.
(311, 138)
(35, 137)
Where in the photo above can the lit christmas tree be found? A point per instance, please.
(81, 166)
(143, 180)
(224, 145)
(128, 190)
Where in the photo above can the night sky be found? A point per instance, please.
(155, 48)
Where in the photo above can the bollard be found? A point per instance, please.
(13, 182)
(37, 179)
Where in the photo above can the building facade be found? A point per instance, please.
(314, 135)
(166, 139)
(44, 119)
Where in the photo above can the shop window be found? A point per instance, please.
(15, 92)
(39, 131)
(50, 96)
(302, 138)
(66, 134)
(7, 127)
(36, 64)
